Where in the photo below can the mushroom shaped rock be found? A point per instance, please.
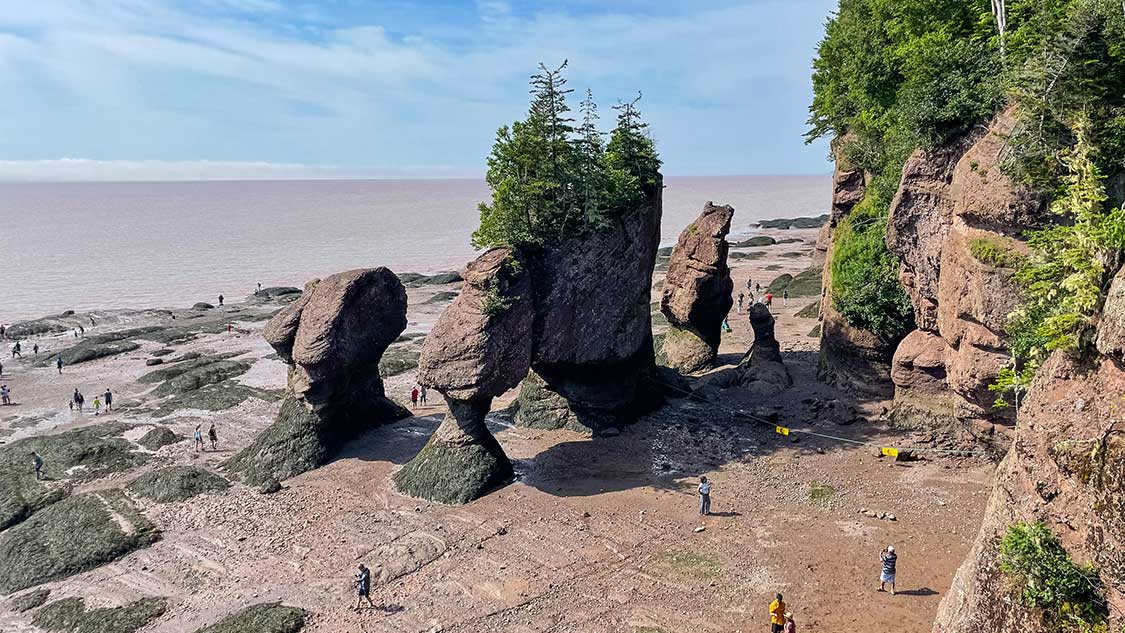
(762, 369)
(697, 291)
(592, 356)
(333, 338)
(479, 348)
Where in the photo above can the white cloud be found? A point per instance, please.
(133, 79)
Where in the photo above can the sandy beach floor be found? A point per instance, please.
(595, 535)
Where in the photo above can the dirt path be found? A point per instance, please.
(596, 535)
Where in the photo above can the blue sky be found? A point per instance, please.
(279, 88)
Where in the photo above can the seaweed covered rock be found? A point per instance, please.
(333, 338)
(177, 483)
(762, 369)
(159, 437)
(270, 617)
(479, 348)
(78, 454)
(71, 536)
(697, 290)
(592, 333)
(71, 615)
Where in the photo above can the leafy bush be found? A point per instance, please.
(994, 252)
(1044, 577)
(865, 286)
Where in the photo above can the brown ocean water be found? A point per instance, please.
(96, 245)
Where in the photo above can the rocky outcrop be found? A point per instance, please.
(762, 370)
(479, 348)
(697, 291)
(332, 338)
(955, 225)
(850, 358)
(1066, 469)
(592, 337)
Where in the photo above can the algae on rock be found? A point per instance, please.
(177, 483)
(270, 617)
(70, 615)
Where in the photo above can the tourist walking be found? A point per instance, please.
(213, 436)
(97, 405)
(198, 438)
(785, 297)
(38, 462)
(704, 496)
(35, 348)
(17, 350)
(769, 299)
(777, 615)
(726, 325)
(790, 624)
(108, 400)
(58, 362)
(79, 399)
(220, 300)
(363, 587)
(890, 561)
(1, 369)
(5, 395)
(414, 397)
(3, 332)
(741, 299)
(422, 394)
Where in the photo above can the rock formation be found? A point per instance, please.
(762, 370)
(697, 291)
(955, 223)
(592, 358)
(1066, 469)
(332, 337)
(850, 358)
(479, 348)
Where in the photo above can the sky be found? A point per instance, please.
(197, 89)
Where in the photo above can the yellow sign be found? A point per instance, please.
(890, 452)
(781, 430)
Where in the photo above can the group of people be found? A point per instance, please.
(212, 435)
(78, 400)
(418, 395)
(754, 293)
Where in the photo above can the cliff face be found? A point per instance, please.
(955, 223)
(1065, 468)
(850, 358)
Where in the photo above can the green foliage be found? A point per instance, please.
(865, 286)
(550, 180)
(1012, 383)
(1071, 265)
(994, 252)
(1071, 596)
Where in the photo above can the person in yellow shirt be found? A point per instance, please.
(777, 615)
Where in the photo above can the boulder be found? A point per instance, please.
(592, 352)
(1110, 339)
(697, 291)
(333, 338)
(479, 348)
(762, 369)
(202, 305)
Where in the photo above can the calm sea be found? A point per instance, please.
(85, 246)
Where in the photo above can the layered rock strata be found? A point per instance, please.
(697, 291)
(332, 337)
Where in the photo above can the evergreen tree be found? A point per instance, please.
(632, 165)
(591, 163)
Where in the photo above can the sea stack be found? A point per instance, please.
(479, 348)
(332, 338)
(762, 369)
(697, 291)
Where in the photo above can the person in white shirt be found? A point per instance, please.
(704, 496)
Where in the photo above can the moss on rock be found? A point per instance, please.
(70, 615)
(271, 617)
(30, 600)
(177, 483)
(398, 359)
(70, 537)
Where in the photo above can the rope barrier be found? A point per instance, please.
(889, 451)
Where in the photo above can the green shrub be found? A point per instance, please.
(1044, 577)
(865, 286)
(994, 252)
